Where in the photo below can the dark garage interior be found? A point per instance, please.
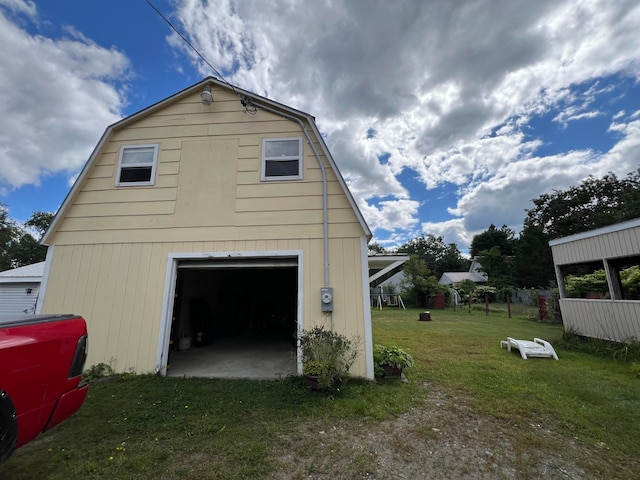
(234, 319)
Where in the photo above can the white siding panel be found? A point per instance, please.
(612, 320)
(620, 243)
(14, 298)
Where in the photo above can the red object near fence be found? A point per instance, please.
(438, 301)
(542, 308)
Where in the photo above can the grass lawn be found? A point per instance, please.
(148, 427)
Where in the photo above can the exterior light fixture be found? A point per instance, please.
(206, 96)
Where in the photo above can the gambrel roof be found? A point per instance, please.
(198, 87)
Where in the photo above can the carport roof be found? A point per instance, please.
(383, 264)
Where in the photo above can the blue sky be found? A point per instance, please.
(444, 117)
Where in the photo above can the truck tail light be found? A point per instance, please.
(79, 357)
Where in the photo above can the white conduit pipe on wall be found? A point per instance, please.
(325, 222)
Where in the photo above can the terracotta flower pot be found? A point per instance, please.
(311, 381)
(391, 371)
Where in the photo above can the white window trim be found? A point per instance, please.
(300, 156)
(153, 164)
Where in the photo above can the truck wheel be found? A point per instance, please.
(8, 426)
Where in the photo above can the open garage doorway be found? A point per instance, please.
(234, 318)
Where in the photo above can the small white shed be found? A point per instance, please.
(19, 289)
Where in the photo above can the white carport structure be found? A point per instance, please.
(614, 313)
(380, 266)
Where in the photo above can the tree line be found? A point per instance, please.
(525, 260)
(20, 243)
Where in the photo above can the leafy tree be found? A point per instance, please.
(465, 288)
(418, 284)
(27, 250)
(451, 261)
(8, 237)
(499, 267)
(578, 286)
(482, 290)
(375, 247)
(438, 256)
(533, 262)
(414, 282)
(40, 222)
(17, 246)
(630, 278)
(593, 204)
(503, 238)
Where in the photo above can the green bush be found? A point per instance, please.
(392, 355)
(99, 370)
(328, 356)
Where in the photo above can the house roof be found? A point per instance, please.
(27, 274)
(449, 278)
(178, 96)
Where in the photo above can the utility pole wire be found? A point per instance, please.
(191, 45)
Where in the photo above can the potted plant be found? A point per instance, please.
(327, 357)
(391, 360)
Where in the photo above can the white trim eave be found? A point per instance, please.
(598, 231)
(45, 281)
(20, 279)
(366, 306)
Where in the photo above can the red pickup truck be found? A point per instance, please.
(41, 363)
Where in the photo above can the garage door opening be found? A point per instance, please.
(234, 319)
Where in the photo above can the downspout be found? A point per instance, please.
(248, 102)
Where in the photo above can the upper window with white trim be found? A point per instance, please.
(137, 165)
(281, 159)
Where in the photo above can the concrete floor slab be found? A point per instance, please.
(238, 357)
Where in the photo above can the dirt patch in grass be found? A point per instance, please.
(442, 438)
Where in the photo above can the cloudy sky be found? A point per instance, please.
(443, 116)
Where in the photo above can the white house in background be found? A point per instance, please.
(613, 313)
(475, 274)
(394, 282)
(19, 289)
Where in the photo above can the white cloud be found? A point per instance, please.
(624, 157)
(452, 231)
(433, 80)
(26, 7)
(391, 215)
(449, 88)
(58, 96)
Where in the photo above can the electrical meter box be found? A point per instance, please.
(326, 299)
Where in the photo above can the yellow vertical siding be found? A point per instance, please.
(119, 289)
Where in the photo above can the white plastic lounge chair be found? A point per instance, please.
(537, 348)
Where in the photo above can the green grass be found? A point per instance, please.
(148, 427)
